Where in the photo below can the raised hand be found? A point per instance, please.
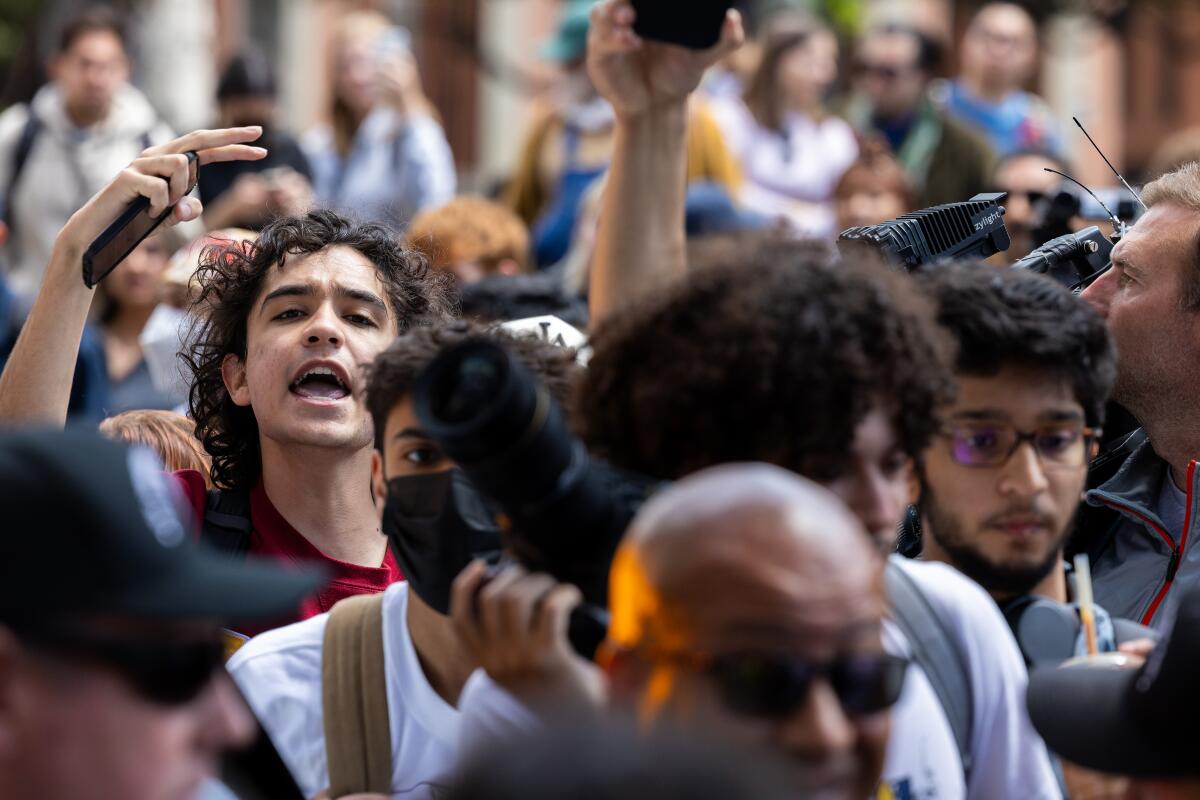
(160, 174)
(635, 75)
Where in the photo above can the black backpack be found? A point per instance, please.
(227, 526)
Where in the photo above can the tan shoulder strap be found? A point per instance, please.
(358, 741)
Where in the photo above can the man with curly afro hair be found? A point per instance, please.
(830, 369)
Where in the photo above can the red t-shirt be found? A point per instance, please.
(272, 537)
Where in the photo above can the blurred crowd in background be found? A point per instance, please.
(473, 130)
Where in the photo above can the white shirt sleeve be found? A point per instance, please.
(490, 715)
(279, 674)
(1010, 759)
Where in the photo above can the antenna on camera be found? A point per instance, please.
(1118, 225)
(1120, 177)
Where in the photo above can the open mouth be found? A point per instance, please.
(320, 383)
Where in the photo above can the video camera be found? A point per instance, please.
(972, 229)
(566, 512)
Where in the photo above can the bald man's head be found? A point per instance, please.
(753, 532)
(751, 562)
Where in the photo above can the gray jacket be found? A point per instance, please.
(1143, 565)
(65, 167)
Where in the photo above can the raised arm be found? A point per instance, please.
(36, 384)
(641, 234)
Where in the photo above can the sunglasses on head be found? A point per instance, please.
(165, 671)
(774, 685)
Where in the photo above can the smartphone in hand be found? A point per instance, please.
(695, 24)
(125, 233)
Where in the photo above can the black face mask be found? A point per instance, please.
(438, 523)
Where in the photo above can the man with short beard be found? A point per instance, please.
(1142, 510)
(1001, 480)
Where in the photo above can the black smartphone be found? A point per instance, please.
(125, 233)
(695, 23)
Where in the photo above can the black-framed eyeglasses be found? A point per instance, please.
(1064, 445)
(165, 671)
(774, 685)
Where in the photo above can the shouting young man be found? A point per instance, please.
(284, 326)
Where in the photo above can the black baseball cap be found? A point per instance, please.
(91, 527)
(1141, 723)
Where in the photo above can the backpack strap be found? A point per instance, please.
(938, 654)
(227, 525)
(358, 739)
(20, 155)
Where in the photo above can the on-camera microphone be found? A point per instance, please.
(1074, 260)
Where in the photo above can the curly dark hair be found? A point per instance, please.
(231, 277)
(1012, 317)
(394, 371)
(776, 357)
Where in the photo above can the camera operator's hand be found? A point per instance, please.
(635, 75)
(516, 628)
(160, 174)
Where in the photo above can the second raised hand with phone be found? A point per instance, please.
(120, 238)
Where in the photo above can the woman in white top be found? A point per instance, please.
(383, 157)
(792, 151)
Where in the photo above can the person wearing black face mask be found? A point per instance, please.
(437, 524)
(247, 195)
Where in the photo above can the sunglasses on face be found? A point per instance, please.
(992, 444)
(773, 685)
(167, 672)
(1032, 197)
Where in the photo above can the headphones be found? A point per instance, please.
(1045, 630)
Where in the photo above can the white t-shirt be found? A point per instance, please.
(1010, 759)
(279, 672)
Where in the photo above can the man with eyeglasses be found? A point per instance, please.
(1000, 483)
(111, 652)
(946, 161)
(747, 603)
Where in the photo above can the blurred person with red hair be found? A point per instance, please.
(471, 238)
(171, 436)
(873, 189)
